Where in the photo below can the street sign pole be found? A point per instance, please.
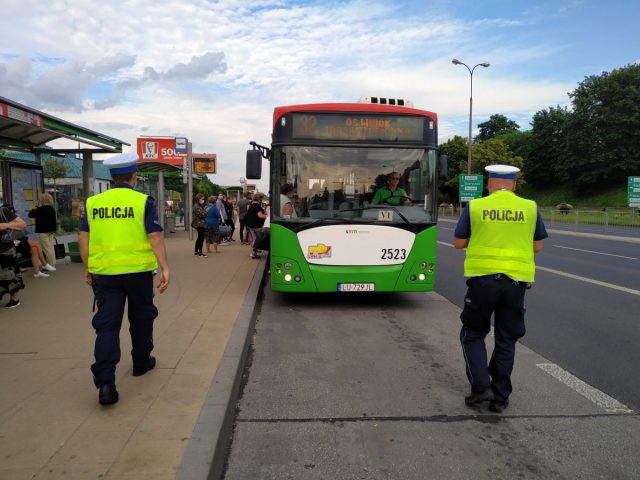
(189, 206)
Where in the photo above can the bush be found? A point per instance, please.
(69, 224)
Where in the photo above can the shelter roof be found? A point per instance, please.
(26, 129)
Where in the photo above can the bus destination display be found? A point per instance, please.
(358, 127)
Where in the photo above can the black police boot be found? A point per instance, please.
(477, 398)
(108, 394)
(137, 371)
(497, 406)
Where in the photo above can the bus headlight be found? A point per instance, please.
(422, 276)
(287, 266)
(423, 265)
(287, 277)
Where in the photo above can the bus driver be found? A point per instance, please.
(391, 194)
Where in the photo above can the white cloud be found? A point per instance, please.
(213, 71)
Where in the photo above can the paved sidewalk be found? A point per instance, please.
(51, 425)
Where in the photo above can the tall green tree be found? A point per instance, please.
(54, 169)
(456, 151)
(603, 133)
(547, 146)
(491, 152)
(518, 142)
(496, 125)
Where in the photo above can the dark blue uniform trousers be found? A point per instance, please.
(111, 293)
(500, 295)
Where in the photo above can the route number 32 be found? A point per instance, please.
(393, 254)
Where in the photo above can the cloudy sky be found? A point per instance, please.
(212, 71)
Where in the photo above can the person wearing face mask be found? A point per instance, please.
(121, 245)
(199, 217)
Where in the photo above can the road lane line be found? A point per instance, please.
(590, 280)
(604, 401)
(574, 277)
(598, 253)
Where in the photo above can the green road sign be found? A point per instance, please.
(634, 191)
(470, 187)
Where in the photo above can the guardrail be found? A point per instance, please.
(604, 220)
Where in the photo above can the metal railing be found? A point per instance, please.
(605, 220)
(595, 220)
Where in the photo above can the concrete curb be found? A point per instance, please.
(207, 450)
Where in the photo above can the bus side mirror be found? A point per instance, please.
(254, 164)
(443, 169)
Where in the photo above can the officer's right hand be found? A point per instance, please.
(163, 283)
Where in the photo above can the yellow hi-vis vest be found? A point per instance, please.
(502, 228)
(118, 241)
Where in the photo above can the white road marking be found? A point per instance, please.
(598, 253)
(445, 228)
(601, 399)
(590, 280)
(575, 277)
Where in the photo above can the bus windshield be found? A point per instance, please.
(376, 184)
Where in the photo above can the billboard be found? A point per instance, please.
(204, 163)
(159, 149)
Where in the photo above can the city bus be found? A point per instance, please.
(353, 196)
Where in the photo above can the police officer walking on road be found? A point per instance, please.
(121, 244)
(501, 233)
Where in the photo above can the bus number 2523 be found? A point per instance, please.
(393, 254)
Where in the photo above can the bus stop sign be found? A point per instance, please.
(470, 187)
(634, 191)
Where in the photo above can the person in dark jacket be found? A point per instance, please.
(229, 205)
(46, 227)
(254, 219)
(198, 222)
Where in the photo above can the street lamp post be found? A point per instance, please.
(455, 61)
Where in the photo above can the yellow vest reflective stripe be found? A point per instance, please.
(502, 227)
(118, 241)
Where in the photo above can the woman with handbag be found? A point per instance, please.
(10, 276)
(46, 227)
(198, 222)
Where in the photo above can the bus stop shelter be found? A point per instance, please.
(26, 129)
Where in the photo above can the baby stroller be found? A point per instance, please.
(10, 276)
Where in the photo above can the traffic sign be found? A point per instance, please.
(470, 187)
(634, 191)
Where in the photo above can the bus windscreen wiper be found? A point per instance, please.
(379, 207)
(326, 221)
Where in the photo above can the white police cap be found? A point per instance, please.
(123, 163)
(502, 171)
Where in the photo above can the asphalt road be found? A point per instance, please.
(590, 329)
(371, 386)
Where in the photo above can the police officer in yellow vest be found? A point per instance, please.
(121, 244)
(501, 233)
